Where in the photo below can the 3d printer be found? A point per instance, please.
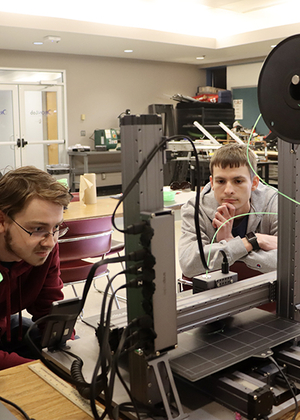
(252, 334)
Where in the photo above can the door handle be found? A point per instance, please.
(21, 142)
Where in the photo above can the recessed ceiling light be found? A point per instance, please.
(200, 57)
(128, 51)
(52, 38)
(38, 43)
(273, 46)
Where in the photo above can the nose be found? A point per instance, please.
(228, 188)
(49, 240)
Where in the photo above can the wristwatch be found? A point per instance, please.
(252, 239)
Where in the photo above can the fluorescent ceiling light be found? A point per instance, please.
(128, 51)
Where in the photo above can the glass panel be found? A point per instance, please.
(7, 154)
(52, 126)
(32, 107)
(40, 124)
(34, 129)
(29, 76)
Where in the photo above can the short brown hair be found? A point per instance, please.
(233, 155)
(19, 186)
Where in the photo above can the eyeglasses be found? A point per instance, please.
(184, 185)
(42, 234)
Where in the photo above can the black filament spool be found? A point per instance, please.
(279, 90)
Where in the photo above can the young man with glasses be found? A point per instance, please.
(31, 221)
(243, 208)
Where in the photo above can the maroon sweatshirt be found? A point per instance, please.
(24, 286)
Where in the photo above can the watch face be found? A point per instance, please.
(251, 235)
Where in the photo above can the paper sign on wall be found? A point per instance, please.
(238, 109)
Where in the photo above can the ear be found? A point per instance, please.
(255, 183)
(211, 182)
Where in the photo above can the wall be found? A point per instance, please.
(245, 75)
(251, 111)
(102, 88)
(243, 81)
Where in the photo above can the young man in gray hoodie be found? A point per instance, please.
(233, 190)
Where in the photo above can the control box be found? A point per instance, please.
(213, 279)
(106, 139)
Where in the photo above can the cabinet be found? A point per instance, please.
(100, 163)
(207, 114)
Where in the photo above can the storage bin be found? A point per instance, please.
(225, 96)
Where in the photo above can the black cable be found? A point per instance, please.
(139, 408)
(99, 382)
(225, 264)
(76, 378)
(197, 210)
(115, 369)
(104, 353)
(105, 294)
(142, 322)
(87, 390)
(197, 201)
(51, 365)
(132, 256)
(136, 178)
(105, 357)
(289, 385)
(92, 272)
(24, 414)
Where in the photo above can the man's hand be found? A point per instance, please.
(223, 213)
(266, 242)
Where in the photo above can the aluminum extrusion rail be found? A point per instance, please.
(197, 309)
(212, 305)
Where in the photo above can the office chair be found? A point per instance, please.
(75, 196)
(86, 238)
(116, 248)
(184, 283)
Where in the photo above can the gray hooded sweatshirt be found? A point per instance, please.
(263, 199)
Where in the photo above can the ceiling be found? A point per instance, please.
(179, 31)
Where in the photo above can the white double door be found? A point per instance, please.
(31, 126)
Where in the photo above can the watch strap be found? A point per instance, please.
(252, 239)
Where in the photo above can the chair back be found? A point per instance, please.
(75, 196)
(86, 238)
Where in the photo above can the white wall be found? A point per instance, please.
(102, 88)
(245, 75)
